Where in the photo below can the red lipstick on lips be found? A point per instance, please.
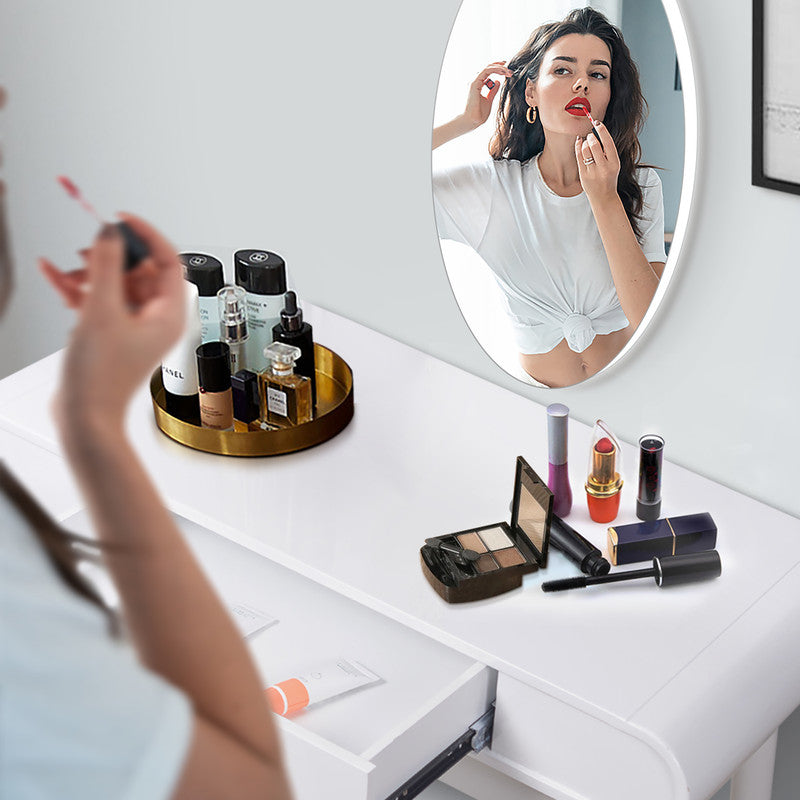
(578, 106)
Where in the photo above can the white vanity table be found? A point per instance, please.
(624, 691)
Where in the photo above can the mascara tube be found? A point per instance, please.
(577, 548)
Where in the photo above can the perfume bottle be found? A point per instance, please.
(285, 397)
(604, 484)
(292, 330)
(233, 324)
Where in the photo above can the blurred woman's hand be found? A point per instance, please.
(126, 323)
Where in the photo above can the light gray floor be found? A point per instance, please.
(441, 792)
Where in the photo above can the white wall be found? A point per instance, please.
(305, 128)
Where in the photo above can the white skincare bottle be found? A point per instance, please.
(205, 272)
(179, 365)
(262, 274)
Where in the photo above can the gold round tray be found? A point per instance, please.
(334, 411)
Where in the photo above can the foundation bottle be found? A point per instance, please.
(214, 373)
(285, 396)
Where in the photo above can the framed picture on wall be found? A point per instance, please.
(776, 95)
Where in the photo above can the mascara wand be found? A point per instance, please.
(667, 571)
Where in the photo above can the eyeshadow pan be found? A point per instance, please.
(510, 557)
(486, 564)
(471, 541)
(495, 538)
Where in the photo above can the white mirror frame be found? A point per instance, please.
(691, 143)
(689, 93)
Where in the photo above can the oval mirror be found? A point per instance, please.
(563, 160)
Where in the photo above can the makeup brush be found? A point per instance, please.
(135, 249)
(667, 571)
(461, 556)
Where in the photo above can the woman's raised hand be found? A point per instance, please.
(479, 105)
(126, 323)
(598, 165)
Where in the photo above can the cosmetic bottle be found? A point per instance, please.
(292, 330)
(651, 452)
(214, 372)
(558, 476)
(246, 405)
(179, 366)
(233, 324)
(285, 396)
(263, 276)
(205, 272)
(604, 484)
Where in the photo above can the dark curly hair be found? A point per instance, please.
(515, 138)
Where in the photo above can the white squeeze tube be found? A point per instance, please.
(320, 682)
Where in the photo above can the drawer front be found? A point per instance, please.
(568, 753)
(365, 744)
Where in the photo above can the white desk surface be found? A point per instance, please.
(431, 450)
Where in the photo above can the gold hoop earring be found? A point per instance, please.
(528, 114)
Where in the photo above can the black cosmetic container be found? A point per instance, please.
(292, 330)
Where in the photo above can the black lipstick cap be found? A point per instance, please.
(214, 366)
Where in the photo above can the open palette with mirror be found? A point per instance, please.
(482, 562)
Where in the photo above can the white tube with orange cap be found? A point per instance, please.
(321, 682)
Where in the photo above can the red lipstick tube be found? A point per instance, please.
(604, 484)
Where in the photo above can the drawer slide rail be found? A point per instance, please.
(478, 736)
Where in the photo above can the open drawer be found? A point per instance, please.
(365, 744)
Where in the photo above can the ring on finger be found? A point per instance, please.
(588, 161)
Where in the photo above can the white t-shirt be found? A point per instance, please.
(544, 250)
(80, 718)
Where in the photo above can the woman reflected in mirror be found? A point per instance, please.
(568, 220)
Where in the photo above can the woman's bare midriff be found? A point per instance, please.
(564, 367)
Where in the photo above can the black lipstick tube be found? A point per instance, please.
(577, 548)
(651, 453)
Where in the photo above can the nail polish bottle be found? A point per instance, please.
(558, 476)
(262, 275)
(233, 324)
(214, 372)
(179, 366)
(205, 272)
(292, 330)
(604, 484)
(285, 396)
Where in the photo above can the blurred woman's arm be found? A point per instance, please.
(177, 624)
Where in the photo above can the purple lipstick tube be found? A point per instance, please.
(558, 475)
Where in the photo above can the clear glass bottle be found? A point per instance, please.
(285, 396)
(233, 324)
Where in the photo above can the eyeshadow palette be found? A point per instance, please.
(486, 561)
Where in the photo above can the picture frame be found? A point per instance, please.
(776, 96)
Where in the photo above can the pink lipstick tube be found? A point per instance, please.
(558, 475)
